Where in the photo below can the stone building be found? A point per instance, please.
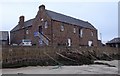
(114, 42)
(4, 38)
(54, 29)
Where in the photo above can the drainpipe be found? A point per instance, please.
(51, 33)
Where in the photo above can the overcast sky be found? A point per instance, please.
(102, 14)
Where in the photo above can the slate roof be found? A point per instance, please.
(59, 17)
(115, 40)
(68, 19)
(4, 35)
(26, 24)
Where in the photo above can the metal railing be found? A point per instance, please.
(44, 38)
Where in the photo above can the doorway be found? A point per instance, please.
(40, 29)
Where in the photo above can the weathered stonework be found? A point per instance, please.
(53, 32)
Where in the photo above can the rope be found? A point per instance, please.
(89, 54)
(65, 57)
(53, 59)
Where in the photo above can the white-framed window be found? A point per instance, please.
(27, 32)
(42, 19)
(62, 27)
(81, 32)
(92, 33)
(46, 24)
(90, 43)
(69, 42)
(74, 30)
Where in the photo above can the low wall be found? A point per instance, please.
(45, 55)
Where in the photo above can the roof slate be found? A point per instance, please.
(26, 24)
(59, 17)
(115, 40)
(4, 35)
(68, 19)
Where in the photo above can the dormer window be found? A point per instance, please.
(62, 27)
(46, 24)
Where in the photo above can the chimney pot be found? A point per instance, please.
(42, 7)
(21, 18)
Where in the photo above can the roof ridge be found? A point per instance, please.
(68, 19)
(17, 27)
(30, 19)
(59, 17)
(67, 15)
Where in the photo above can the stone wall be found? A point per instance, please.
(48, 55)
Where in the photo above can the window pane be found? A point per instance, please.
(62, 27)
(81, 32)
(46, 24)
(91, 33)
(27, 32)
(74, 30)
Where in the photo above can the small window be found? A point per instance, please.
(27, 32)
(46, 24)
(74, 30)
(42, 19)
(81, 32)
(69, 42)
(90, 43)
(92, 33)
(62, 27)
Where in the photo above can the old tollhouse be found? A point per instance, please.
(54, 29)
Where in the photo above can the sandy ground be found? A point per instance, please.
(84, 69)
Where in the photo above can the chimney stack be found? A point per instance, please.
(42, 7)
(21, 21)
